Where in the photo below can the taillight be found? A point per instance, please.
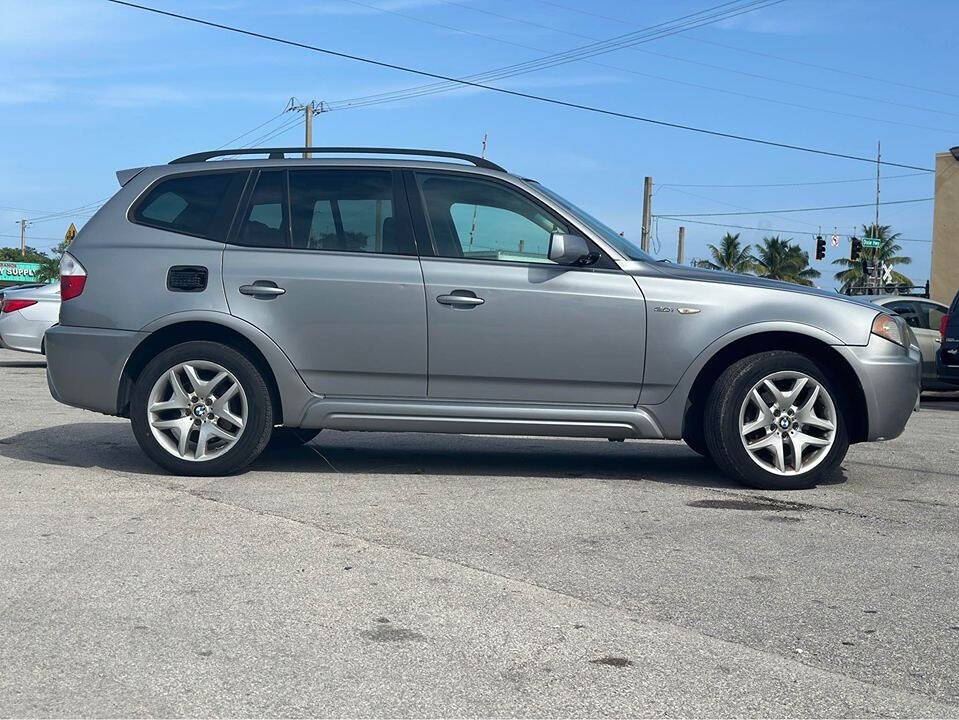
(72, 277)
(9, 306)
(942, 326)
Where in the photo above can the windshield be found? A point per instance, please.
(626, 247)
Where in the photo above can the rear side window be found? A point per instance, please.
(267, 220)
(200, 204)
(347, 211)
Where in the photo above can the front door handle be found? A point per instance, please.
(462, 298)
(262, 288)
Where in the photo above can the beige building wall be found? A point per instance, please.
(944, 276)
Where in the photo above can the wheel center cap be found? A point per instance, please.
(199, 410)
(784, 423)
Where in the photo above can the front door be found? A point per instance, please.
(505, 323)
(920, 316)
(323, 262)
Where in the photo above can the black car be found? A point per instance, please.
(947, 359)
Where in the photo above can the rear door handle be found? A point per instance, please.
(463, 298)
(262, 288)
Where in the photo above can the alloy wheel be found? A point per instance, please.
(787, 423)
(197, 410)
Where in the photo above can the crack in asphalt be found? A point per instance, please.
(204, 494)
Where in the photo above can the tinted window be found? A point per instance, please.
(201, 204)
(907, 310)
(474, 218)
(347, 211)
(930, 315)
(266, 222)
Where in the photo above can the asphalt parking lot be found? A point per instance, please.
(371, 574)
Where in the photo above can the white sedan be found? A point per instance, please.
(26, 314)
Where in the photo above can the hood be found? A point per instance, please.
(687, 272)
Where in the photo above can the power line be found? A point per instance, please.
(772, 230)
(825, 67)
(749, 74)
(410, 93)
(791, 210)
(248, 132)
(514, 93)
(664, 29)
(792, 184)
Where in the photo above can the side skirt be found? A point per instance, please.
(480, 418)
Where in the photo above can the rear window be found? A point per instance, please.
(199, 204)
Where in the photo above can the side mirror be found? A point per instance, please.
(569, 249)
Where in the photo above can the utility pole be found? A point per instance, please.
(309, 110)
(647, 212)
(308, 114)
(875, 251)
(681, 251)
(475, 207)
(23, 236)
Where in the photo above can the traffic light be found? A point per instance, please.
(855, 248)
(820, 247)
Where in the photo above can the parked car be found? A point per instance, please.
(947, 359)
(272, 298)
(26, 314)
(923, 317)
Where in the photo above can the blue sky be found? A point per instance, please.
(87, 87)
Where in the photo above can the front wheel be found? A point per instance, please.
(773, 421)
(201, 408)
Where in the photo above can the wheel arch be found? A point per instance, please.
(831, 362)
(288, 392)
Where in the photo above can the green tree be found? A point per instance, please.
(49, 270)
(9, 254)
(730, 256)
(779, 259)
(887, 252)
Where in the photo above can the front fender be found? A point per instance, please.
(667, 403)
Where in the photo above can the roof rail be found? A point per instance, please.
(279, 154)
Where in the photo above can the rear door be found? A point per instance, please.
(506, 324)
(323, 261)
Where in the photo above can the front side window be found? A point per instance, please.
(201, 204)
(484, 220)
(347, 211)
(908, 311)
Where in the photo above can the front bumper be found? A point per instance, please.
(890, 376)
(84, 365)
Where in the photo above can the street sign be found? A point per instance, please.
(835, 241)
(871, 242)
(70, 234)
(886, 273)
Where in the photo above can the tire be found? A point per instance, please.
(285, 438)
(771, 465)
(694, 433)
(234, 428)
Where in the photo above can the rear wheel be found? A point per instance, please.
(773, 422)
(201, 408)
(694, 434)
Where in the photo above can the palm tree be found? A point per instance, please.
(853, 276)
(729, 256)
(779, 259)
(48, 271)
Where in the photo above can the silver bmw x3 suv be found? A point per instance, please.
(224, 305)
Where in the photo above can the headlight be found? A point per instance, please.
(889, 327)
